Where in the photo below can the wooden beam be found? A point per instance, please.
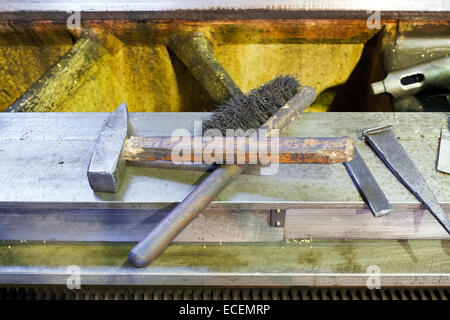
(243, 151)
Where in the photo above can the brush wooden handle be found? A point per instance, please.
(168, 228)
(243, 150)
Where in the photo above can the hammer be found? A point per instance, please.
(115, 148)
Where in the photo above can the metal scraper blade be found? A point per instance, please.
(367, 185)
(385, 144)
(444, 152)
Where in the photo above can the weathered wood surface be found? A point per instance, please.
(241, 150)
(44, 158)
(414, 263)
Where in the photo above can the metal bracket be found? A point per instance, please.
(277, 218)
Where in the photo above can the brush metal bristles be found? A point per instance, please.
(251, 110)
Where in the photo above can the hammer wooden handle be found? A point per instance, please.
(242, 150)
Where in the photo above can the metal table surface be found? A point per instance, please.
(44, 158)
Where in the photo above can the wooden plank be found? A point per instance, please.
(360, 224)
(244, 150)
(414, 263)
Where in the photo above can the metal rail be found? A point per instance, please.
(316, 263)
(214, 9)
(213, 293)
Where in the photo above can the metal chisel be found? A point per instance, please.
(367, 186)
(385, 144)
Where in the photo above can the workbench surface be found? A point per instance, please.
(44, 195)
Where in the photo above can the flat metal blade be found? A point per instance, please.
(367, 186)
(444, 152)
(385, 144)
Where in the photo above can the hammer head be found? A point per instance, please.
(107, 164)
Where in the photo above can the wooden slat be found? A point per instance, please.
(248, 150)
